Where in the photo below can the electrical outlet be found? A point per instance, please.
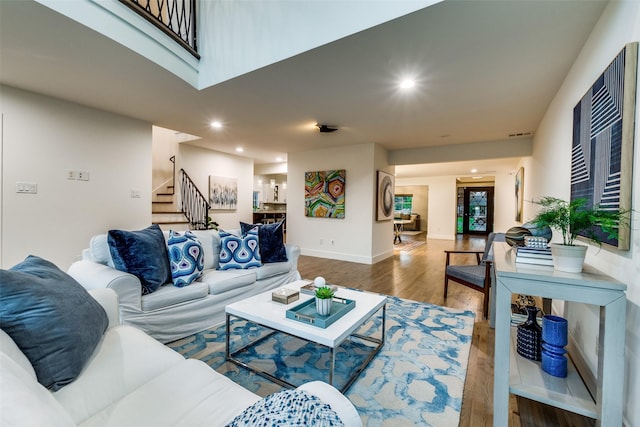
(83, 176)
(71, 174)
(26, 188)
(135, 193)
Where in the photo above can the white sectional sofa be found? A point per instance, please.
(174, 312)
(132, 380)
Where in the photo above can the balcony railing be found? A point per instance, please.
(176, 18)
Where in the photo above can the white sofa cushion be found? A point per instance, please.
(169, 295)
(220, 281)
(11, 350)
(125, 359)
(273, 269)
(189, 394)
(24, 402)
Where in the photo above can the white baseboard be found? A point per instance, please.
(441, 236)
(338, 256)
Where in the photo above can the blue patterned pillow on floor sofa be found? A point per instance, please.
(239, 252)
(185, 257)
(288, 408)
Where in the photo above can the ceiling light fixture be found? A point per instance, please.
(239, 149)
(326, 128)
(216, 124)
(407, 83)
(474, 170)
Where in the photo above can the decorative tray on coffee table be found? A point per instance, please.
(306, 312)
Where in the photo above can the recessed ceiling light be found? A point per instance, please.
(474, 170)
(239, 149)
(278, 159)
(216, 124)
(407, 84)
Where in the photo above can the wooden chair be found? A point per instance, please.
(476, 277)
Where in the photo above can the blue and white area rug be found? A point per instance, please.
(417, 378)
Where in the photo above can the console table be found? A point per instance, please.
(520, 376)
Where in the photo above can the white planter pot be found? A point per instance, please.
(569, 259)
(323, 306)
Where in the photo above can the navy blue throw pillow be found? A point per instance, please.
(51, 318)
(142, 253)
(270, 239)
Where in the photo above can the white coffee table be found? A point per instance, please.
(260, 309)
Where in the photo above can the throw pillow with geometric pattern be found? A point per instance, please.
(239, 252)
(185, 257)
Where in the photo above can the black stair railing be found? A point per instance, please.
(194, 205)
(176, 18)
(172, 159)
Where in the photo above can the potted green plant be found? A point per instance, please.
(324, 299)
(574, 218)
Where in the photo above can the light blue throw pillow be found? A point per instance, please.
(239, 252)
(52, 318)
(185, 257)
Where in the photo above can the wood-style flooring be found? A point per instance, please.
(418, 275)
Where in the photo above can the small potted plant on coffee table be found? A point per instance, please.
(573, 218)
(324, 300)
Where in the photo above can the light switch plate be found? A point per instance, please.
(26, 188)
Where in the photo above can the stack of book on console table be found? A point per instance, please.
(539, 256)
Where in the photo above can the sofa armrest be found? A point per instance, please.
(92, 275)
(293, 253)
(108, 299)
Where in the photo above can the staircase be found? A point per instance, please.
(191, 214)
(164, 209)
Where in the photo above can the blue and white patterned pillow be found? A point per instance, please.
(185, 257)
(239, 252)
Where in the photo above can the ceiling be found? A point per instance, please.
(483, 70)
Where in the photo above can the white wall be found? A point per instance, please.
(357, 237)
(443, 201)
(618, 25)
(441, 222)
(200, 163)
(164, 143)
(123, 25)
(236, 37)
(43, 138)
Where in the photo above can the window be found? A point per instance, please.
(403, 204)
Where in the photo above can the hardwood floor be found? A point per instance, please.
(418, 275)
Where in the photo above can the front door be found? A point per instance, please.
(478, 210)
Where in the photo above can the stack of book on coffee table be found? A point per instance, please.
(539, 256)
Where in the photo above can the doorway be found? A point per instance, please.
(475, 210)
